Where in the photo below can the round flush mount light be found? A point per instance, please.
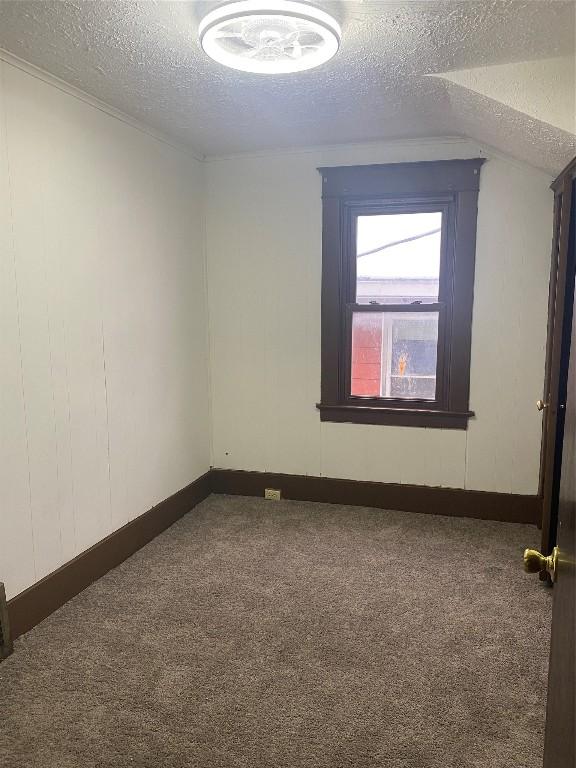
(270, 37)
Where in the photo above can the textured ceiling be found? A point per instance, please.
(144, 59)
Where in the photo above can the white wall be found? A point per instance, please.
(264, 269)
(104, 401)
(104, 388)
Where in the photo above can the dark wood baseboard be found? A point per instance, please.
(505, 507)
(41, 599)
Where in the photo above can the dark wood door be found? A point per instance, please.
(559, 487)
(561, 300)
(560, 745)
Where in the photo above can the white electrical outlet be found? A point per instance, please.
(272, 493)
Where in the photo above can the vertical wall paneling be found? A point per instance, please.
(27, 178)
(17, 536)
(104, 351)
(264, 261)
(114, 395)
(509, 329)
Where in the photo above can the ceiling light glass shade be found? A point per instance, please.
(269, 37)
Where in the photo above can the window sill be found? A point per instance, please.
(401, 417)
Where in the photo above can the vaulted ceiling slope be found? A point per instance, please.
(487, 69)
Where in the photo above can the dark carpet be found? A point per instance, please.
(282, 634)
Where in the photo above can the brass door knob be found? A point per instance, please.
(536, 562)
(540, 404)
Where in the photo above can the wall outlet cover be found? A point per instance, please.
(272, 493)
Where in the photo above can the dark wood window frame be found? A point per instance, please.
(447, 186)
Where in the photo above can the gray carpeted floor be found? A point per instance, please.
(283, 634)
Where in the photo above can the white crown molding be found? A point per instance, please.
(326, 148)
(77, 93)
(477, 148)
(454, 141)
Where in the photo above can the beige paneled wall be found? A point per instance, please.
(264, 263)
(104, 370)
(108, 385)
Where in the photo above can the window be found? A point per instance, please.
(397, 287)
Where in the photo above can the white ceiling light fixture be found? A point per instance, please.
(269, 37)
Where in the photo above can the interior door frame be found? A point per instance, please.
(560, 309)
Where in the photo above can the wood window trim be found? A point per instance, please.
(450, 186)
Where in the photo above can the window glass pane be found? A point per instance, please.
(398, 258)
(394, 355)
